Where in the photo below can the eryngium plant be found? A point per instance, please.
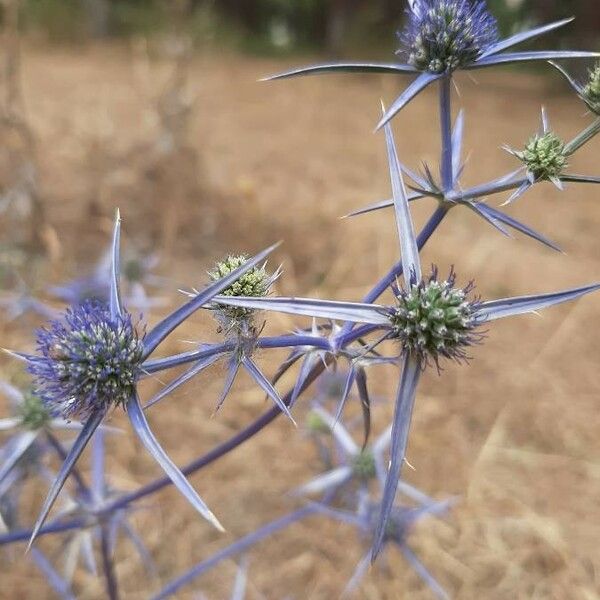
(446, 35)
(90, 361)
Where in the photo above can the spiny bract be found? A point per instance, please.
(443, 35)
(87, 362)
(434, 319)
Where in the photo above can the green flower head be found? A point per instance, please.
(544, 156)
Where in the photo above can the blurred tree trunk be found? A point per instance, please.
(247, 11)
(337, 23)
(97, 17)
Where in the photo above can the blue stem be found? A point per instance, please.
(108, 567)
(98, 463)
(446, 131)
(288, 341)
(23, 535)
(422, 239)
(346, 337)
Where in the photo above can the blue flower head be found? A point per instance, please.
(434, 319)
(88, 361)
(444, 35)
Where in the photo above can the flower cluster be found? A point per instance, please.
(591, 90)
(544, 156)
(444, 35)
(434, 319)
(90, 361)
(256, 283)
(32, 411)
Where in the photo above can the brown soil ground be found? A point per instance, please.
(514, 435)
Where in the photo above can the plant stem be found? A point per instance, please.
(384, 283)
(446, 132)
(108, 567)
(23, 535)
(583, 138)
(213, 454)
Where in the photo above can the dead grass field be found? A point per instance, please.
(514, 435)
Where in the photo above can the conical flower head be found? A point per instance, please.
(34, 415)
(434, 319)
(363, 465)
(255, 283)
(87, 362)
(544, 156)
(591, 91)
(443, 35)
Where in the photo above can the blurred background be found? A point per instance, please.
(333, 26)
(154, 106)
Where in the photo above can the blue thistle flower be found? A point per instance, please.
(444, 35)
(434, 319)
(386, 318)
(441, 36)
(90, 361)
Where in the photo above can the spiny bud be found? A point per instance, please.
(444, 35)
(363, 466)
(33, 413)
(434, 319)
(133, 270)
(315, 423)
(591, 91)
(255, 283)
(87, 362)
(544, 156)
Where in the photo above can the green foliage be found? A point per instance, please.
(60, 20)
(264, 26)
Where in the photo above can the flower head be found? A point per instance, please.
(34, 415)
(363, 465)
(434, 319)
(315, 423)
(544, 156)
(255, 283)
(88, 361)
(444, 35)
(591, 91)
